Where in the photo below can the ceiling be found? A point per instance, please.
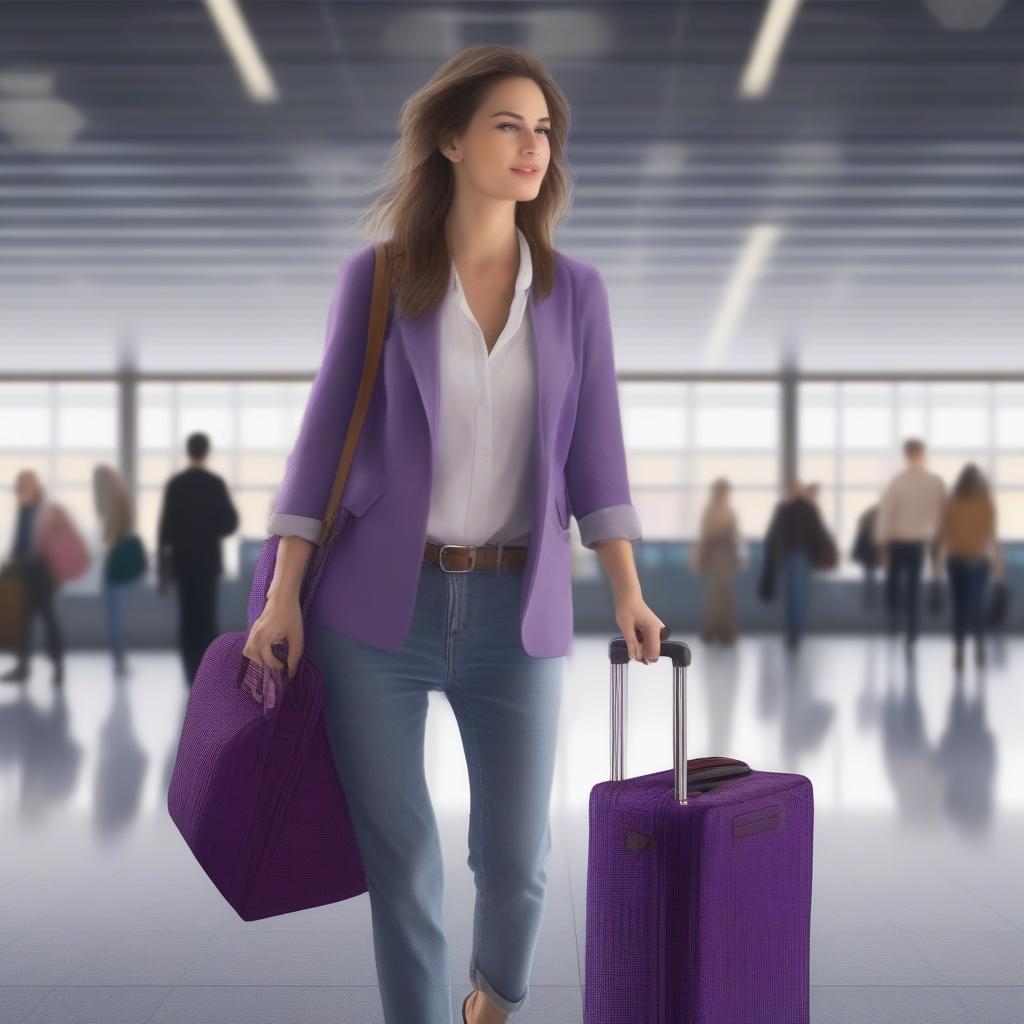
(147, 203)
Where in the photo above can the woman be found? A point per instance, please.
(495, 414)
(717, 556)
(967, 543)
(113, 507)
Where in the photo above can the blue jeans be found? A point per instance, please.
(796, 582)
(114, 596)
(967, 579)
(903, 583)
(464, 642)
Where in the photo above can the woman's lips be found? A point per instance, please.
(525, 174)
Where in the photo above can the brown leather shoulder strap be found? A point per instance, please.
(374, 347)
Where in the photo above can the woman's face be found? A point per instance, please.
(495, 141)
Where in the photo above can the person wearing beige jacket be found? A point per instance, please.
(718, 555)
(907, 523)
(969, 544)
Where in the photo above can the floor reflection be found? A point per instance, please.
(918, 786)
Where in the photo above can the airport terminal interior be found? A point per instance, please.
(809, 217)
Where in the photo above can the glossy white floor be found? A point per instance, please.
(918, 905)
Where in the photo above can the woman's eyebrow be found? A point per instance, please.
(519, 117)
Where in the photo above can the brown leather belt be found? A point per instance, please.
(467, 557)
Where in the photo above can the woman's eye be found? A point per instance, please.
(512, 124)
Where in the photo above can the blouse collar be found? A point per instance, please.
(523, 278)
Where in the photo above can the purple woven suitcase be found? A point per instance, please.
(255, 793)
(698, 884)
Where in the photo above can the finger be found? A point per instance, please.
(640, 646)
(267, 657)
(280, 651)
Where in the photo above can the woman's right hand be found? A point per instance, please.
(280, 620)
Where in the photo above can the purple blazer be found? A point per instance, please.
(368, 588)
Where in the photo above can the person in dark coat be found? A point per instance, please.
(796, 542)
(197, 512)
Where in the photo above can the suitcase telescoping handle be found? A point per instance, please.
(619, 656)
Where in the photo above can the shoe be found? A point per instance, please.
(18, 674)
(465, 1003)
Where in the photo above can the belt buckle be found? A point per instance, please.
(468, 547)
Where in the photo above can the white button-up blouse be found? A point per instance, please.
(483, 490)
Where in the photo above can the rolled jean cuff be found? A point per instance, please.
(477, 979)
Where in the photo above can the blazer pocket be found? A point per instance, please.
(562, 508)
(357, 500)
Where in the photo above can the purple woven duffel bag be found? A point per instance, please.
(698, 884)
(255, 792)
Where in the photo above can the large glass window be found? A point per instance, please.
(681, 436)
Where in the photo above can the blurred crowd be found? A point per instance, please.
(915, 522)
(48, 549)
(915, 525)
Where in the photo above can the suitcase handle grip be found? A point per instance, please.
(618, 654)
(674, 649)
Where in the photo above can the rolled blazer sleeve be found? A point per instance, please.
(595, 469)
(309, 474)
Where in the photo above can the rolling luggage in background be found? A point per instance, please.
(698, 884)
(12, 608)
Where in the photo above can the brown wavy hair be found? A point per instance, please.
(971, 483)
(409, 211)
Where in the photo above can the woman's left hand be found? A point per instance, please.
(634, 617)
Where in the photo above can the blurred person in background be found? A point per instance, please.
(125, 561)
(969, 544)
(865, 552)
(717, 556)
(796, 542)
(46, 549)
(197, 512)
(907, 523)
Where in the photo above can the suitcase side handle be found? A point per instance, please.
(618, 654)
